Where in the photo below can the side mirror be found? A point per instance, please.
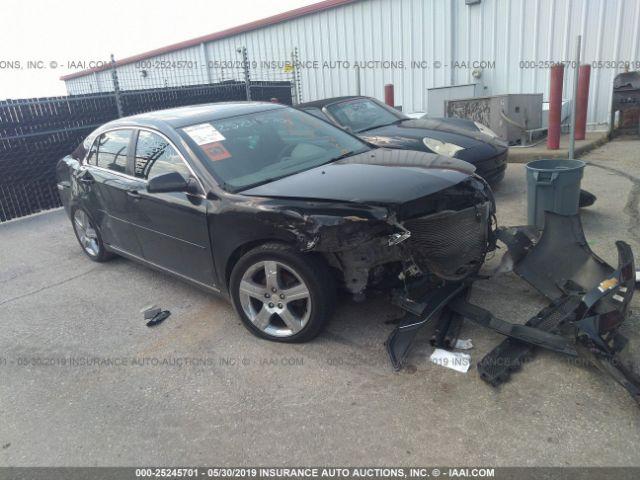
(169, 182)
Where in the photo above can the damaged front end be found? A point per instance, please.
(431, 236)
(442, 237)
(383, 217)
(589, 301)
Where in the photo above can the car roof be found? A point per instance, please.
(194, 114)
(327, 101)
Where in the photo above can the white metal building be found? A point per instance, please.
(414, 44)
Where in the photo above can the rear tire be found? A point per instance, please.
(282, 295)
(89, 236)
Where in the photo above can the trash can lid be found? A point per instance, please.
(555, 165)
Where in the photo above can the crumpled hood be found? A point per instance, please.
(379, 176)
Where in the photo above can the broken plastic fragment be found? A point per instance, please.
(457, 361)
(607, 284)
(396, 238)
(159, 318)
(463, 344)
(154, 315)
(506, 264)
(150, 311)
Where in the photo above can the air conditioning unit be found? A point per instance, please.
(509, 116)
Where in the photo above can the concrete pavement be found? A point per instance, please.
(84, 382)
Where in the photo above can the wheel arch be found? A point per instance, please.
(244, 248)
(239, 251)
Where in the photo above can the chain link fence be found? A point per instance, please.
(187, 68)
(36, 133)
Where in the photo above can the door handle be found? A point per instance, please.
(133, 194)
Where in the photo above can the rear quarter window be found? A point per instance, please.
(81, 150)
(110, 150)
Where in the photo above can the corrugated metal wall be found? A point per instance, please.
(429, 32)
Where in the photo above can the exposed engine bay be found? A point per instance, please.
(448, 240)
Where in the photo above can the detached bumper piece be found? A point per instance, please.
(589, 300)
(419, 314)
(510, 355)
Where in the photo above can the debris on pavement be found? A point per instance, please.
(155, 315)
(463, 344)
(589, 301)
(150, 311)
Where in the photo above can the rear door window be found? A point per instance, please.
(110, 150)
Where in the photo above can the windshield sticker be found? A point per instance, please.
(204, 133)
(215, 151)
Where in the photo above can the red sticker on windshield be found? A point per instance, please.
(215, 151)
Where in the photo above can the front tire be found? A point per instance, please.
(282, 295)
(89, 236)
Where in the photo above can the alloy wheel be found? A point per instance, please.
(86, 233)
(275, 298)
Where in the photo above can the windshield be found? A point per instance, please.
(253, 149)
(362, 114)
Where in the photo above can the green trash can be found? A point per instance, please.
(554, 186)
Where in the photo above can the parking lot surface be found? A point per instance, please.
(83, 381)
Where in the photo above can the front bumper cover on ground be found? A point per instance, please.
(589, 301)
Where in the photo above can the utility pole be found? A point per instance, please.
(574, 102)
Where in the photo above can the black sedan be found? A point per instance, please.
(383, 126)
(274, 208)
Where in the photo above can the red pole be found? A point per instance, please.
(389, 95)
(582, 101)
(555, 107)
